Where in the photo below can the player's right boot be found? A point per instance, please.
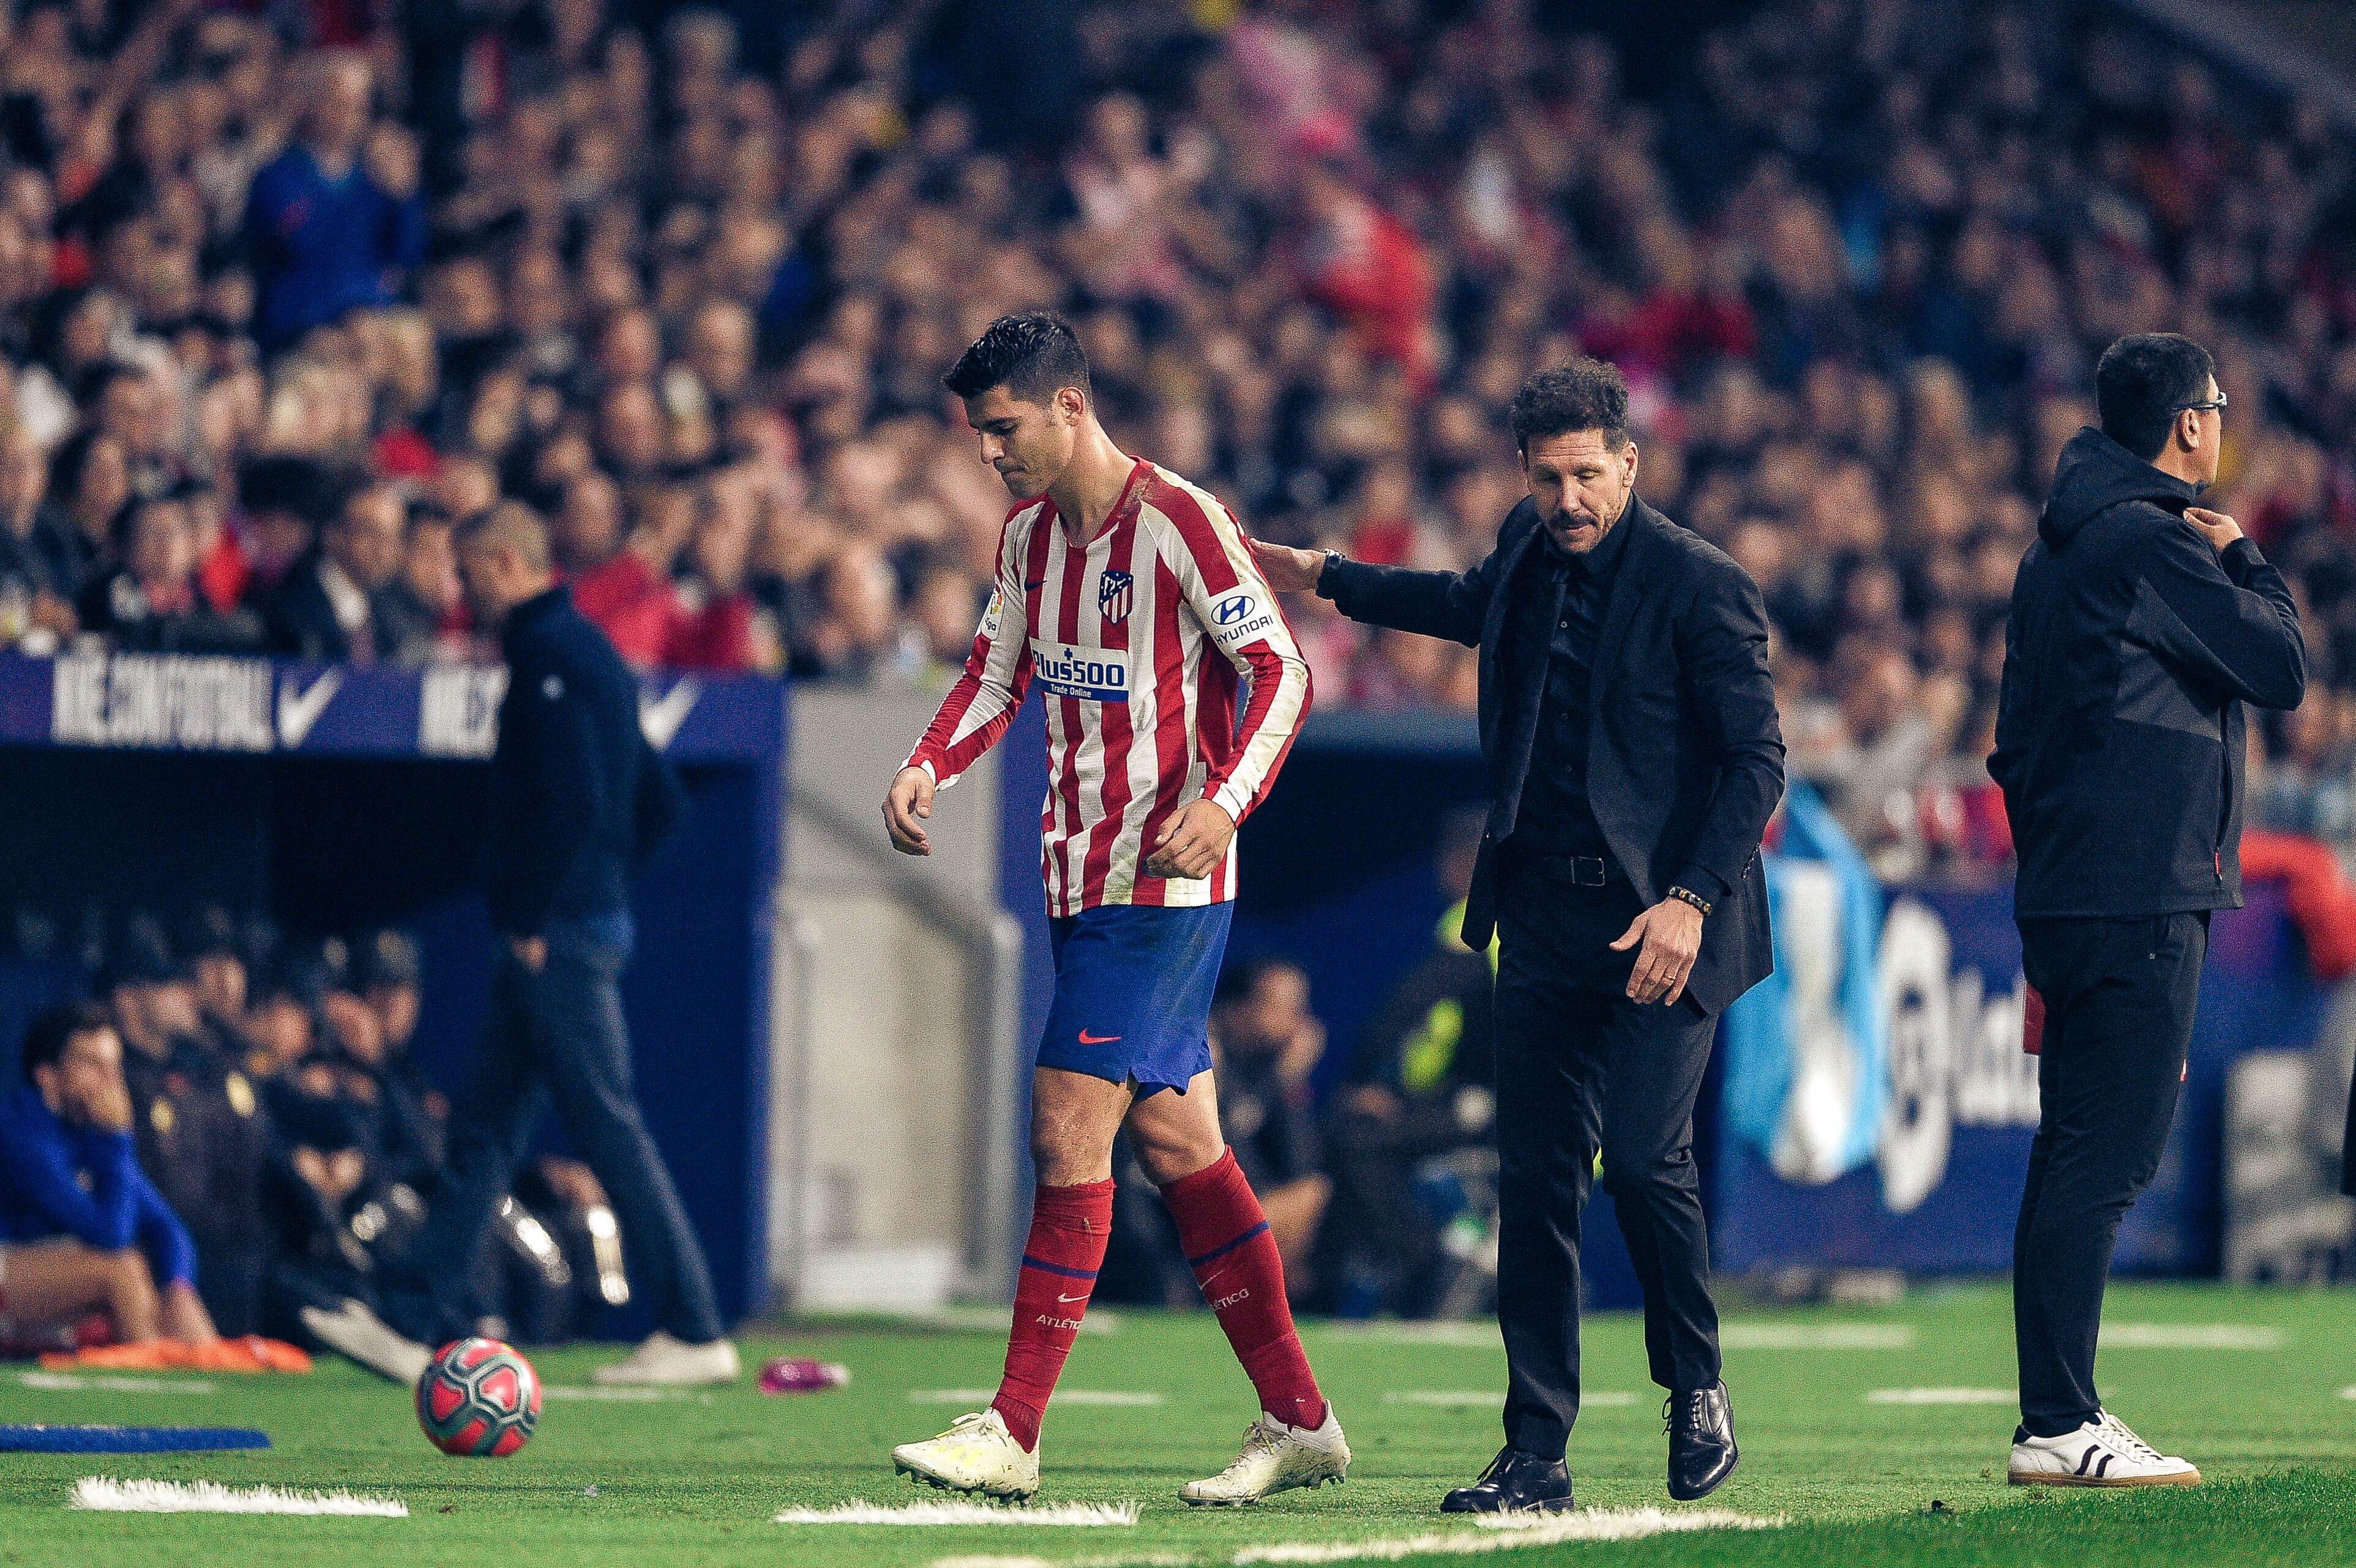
(368, 1340)
(977, 1454)
(2103, 1453)
(1276, 1458)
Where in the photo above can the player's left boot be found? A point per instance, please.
(1701, 1441)
(1276, 1458)
(977, 1454)
(664, 1361)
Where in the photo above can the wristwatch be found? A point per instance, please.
(1332, 559)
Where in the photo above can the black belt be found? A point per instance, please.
(1584, 871)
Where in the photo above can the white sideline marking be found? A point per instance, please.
(856, 1511)
(618, 1393)
(979, 1398)
(1507, 1533)
(104, 1494)
(1752, 1336)
(1940, 1396)
(2349, 1392)
(1450, 1333)
(996, 1320)
(74, 1382)
(2190, 1337)
(1491, 1399)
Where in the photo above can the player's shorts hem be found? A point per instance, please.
(1119, 1070)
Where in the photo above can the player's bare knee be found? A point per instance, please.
(1171, 1155)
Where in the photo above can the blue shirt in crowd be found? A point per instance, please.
(59, 1181)
(322, 246)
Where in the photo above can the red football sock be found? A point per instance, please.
(1069, 1227)
(1226, 1238)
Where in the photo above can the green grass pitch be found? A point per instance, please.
(2248, 1384)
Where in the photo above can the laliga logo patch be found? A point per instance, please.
(1116, 593)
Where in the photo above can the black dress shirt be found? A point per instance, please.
(1571, 593)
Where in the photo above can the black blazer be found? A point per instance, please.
(301, 618)
(1685, 756)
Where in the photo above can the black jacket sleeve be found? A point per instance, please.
(661, 804)
(2226, 622)
(1722, 647)
(1448, 605)
(559, 781)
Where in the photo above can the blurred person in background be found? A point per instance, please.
(578, 802)
(330, 605)
(1267, 1042)
(154, 602)
(69, 1180)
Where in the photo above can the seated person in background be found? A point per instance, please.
(154, 604)
(196, 1122)
(328, 606)
(70, 1180)
(1420, 1092)
(389, 976)
(1266, 1043)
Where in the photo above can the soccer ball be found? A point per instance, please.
(478, 1397)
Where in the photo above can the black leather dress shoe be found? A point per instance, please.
(1701, 1442)
(1514, 1479)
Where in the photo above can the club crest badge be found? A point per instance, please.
(1115, 596)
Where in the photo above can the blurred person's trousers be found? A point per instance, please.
(555, 1036)
(1581, 1068)
(2119, 997)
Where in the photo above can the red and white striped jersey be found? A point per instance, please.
(1140, 641)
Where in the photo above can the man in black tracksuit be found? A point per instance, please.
(578, 801)
(2140, 625)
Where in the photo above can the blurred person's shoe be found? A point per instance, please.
(2103, 1453)
(977, 1454)
(1276, 1458)
(353, 1330)
(663, 1361)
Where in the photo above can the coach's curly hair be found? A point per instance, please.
(1580, 394)
(1032, 355)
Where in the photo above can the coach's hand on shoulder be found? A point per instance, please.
(2218, 529)
(1288, 571)
(911, 799)
(1671, 932)
(1193, 844)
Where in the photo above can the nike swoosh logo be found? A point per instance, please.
(1067, 1300)
(1088, 1038)
(659, 721)
(299, 709)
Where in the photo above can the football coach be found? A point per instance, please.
(1629, 728)
(2140, 624)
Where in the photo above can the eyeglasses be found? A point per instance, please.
(2217, 403)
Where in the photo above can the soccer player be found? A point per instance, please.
(1131, 599)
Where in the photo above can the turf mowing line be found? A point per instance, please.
(979, 1397)
(76, 1382)
(104, 1494)
(1493, 1399)
(1752, 1335)
(1083, 1516)
(1493, 1533)
(2190, 1337)
(1941, 1396)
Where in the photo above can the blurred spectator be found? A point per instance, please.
(1265, 1043)
(154, 602)
(330, 605)
(69, 1179)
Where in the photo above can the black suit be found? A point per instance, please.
(1684, 766)
(302, 622)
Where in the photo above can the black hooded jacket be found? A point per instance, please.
(2119, 736)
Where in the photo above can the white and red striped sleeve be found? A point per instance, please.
(1227, 594)
(981, 704)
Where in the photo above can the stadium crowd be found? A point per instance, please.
(285, 293)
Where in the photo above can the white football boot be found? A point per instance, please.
(663, 1361)
(1276, 1458)
(368, 1340)
(977, 1454)
(2103, 1453)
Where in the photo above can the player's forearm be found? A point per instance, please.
(1281, 695)
(974, 714)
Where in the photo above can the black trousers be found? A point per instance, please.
(555, 1035)
(2119, 997)
(1581, 1068)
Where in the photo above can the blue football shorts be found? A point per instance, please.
(1133, 986)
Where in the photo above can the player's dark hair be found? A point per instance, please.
(2144, 382)
(1580, 394)
(52, 1031)
(1033, 356)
